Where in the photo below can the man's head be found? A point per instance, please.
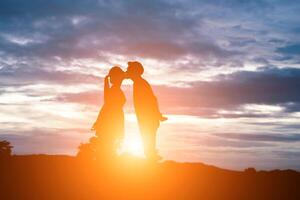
(134, 70)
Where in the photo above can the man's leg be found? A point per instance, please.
(149, 141)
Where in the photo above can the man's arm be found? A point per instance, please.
(155, 104)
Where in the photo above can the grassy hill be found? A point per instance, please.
(65, 177)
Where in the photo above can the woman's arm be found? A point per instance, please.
(106, 88)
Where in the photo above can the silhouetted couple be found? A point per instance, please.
(109, 125)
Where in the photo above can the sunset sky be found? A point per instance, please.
(226, 73)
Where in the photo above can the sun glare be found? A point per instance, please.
(132, 144)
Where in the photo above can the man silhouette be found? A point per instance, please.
(146, 108)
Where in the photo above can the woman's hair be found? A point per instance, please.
(116, 74)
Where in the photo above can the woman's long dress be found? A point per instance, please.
(110, 122)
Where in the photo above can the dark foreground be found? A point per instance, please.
(63, 177)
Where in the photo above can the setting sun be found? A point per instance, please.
(132, 144)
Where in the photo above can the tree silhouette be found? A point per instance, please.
(5, 149)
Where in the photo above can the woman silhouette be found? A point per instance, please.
(109, 125)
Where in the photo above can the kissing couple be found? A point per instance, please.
(109, 125)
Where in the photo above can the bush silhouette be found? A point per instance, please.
(88, 150)
(250, 170)
(96, 148)
(5, 149)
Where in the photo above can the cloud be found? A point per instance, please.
(293, 49)
(86, 98)
(211, 141)
(268, 86)
(197, 139)
(261, 137)
(292, 155)
(106, 26)
(25, 74)
(203, 34)
(156, 29)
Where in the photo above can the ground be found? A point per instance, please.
(66, 177)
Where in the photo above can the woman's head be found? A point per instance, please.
(116, 75)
